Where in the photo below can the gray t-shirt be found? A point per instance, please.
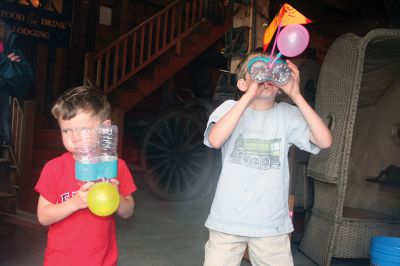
(253, 188)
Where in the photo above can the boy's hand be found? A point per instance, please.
(115, 182)
(292, 88)
(80, 198)
(253, 91)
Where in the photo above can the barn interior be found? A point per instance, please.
(164, 70)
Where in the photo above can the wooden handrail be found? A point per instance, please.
(22, 124)
(116, 63)
(16, 130)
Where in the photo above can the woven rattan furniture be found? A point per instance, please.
(341, 226)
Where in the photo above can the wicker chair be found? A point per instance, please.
(337, 228)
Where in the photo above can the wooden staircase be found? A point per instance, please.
(140, 61)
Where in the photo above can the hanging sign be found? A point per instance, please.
(48, 21)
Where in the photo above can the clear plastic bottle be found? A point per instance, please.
(108, 155)
(86, 153)
(280, 73)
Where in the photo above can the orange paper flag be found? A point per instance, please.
(287, 15)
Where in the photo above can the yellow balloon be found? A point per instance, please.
(103, 199)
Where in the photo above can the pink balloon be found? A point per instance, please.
(293, 40)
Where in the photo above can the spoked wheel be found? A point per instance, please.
(177, 163)
(201, 109)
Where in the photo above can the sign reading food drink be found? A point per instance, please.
(48, 21)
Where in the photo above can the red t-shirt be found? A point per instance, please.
(81, 238)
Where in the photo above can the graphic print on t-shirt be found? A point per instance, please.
(65, 196)
(256, 153)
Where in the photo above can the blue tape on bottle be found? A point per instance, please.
(108, 169)
(86, 171)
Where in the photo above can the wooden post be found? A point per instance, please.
(178, 47)
(87, 72)
(253, 25)
(27, 142)
(261, 19)
(26, 195)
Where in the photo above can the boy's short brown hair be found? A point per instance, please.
(82, 98)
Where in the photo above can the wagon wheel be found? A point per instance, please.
(201, 109)
(177, 163)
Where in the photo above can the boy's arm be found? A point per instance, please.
(320, 135)
(126, 206)
(49, 213)
(223, 129)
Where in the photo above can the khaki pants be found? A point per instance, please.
(227, 250)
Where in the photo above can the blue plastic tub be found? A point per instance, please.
(385, 251)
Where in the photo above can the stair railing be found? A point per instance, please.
(22, 125)
(116, 63)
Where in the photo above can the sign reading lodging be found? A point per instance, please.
(48, 21)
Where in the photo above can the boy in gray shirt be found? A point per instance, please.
(250, 206)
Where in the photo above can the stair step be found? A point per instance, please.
(129, 97)
(206, 28)
(163, 59)
(146, 73)
(160, 65)
(193, 38)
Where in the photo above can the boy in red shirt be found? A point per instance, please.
(76, 236)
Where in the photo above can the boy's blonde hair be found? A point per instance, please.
(241, 68)
(82, 98)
